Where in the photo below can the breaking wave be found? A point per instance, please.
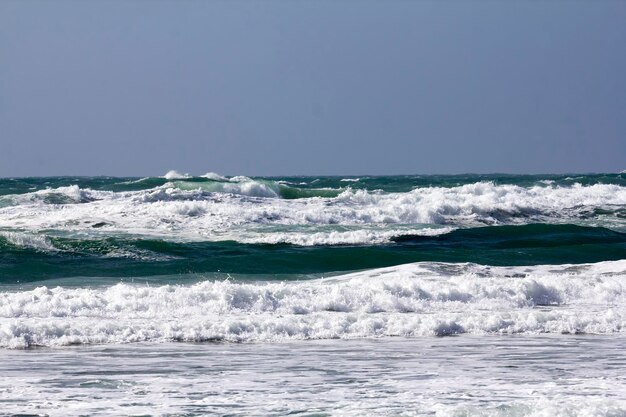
(216, 209)
(422, 299)
(31, 257)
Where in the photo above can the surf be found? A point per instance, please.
(413, 300)
(26, 257)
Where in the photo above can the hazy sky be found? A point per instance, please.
(311, 87)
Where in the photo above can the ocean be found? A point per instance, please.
(417, 295)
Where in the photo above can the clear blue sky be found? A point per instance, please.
(311, 87)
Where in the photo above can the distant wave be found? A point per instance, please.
(215, 210)
(171, 175)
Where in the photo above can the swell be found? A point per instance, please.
(28, 258)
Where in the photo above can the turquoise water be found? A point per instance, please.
(96, 258)
(351, 273)
(85, 227)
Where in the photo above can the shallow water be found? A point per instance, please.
(448, 376)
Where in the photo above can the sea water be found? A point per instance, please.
(408, 295)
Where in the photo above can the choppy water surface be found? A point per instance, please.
(452, 376)
(408, 295)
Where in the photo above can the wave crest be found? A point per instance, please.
(408, 300)
(211, 209)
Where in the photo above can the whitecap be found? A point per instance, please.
(423, 299)
(29, 240)
(215, 177)
(173, 175)
(209, 210)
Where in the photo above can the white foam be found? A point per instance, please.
(350, 237)
(563, 406)
(462, 376)
(249, 188)
(28, 240)
(61, 195)
(214, 176)
(409, 300)
(137, 181)
(212, 210)
(240, 178)
(173, 175)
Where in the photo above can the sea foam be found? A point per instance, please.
(422, 299)
(27, 240)
(172, 174)
(217, 210)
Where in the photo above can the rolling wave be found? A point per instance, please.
(28, 257)
(265, 211)
(408, 300)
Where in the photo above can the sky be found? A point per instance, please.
(136, 88)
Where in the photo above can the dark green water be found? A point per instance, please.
(206, 259)
(399, 184)
(498, 245)
(85, 227)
